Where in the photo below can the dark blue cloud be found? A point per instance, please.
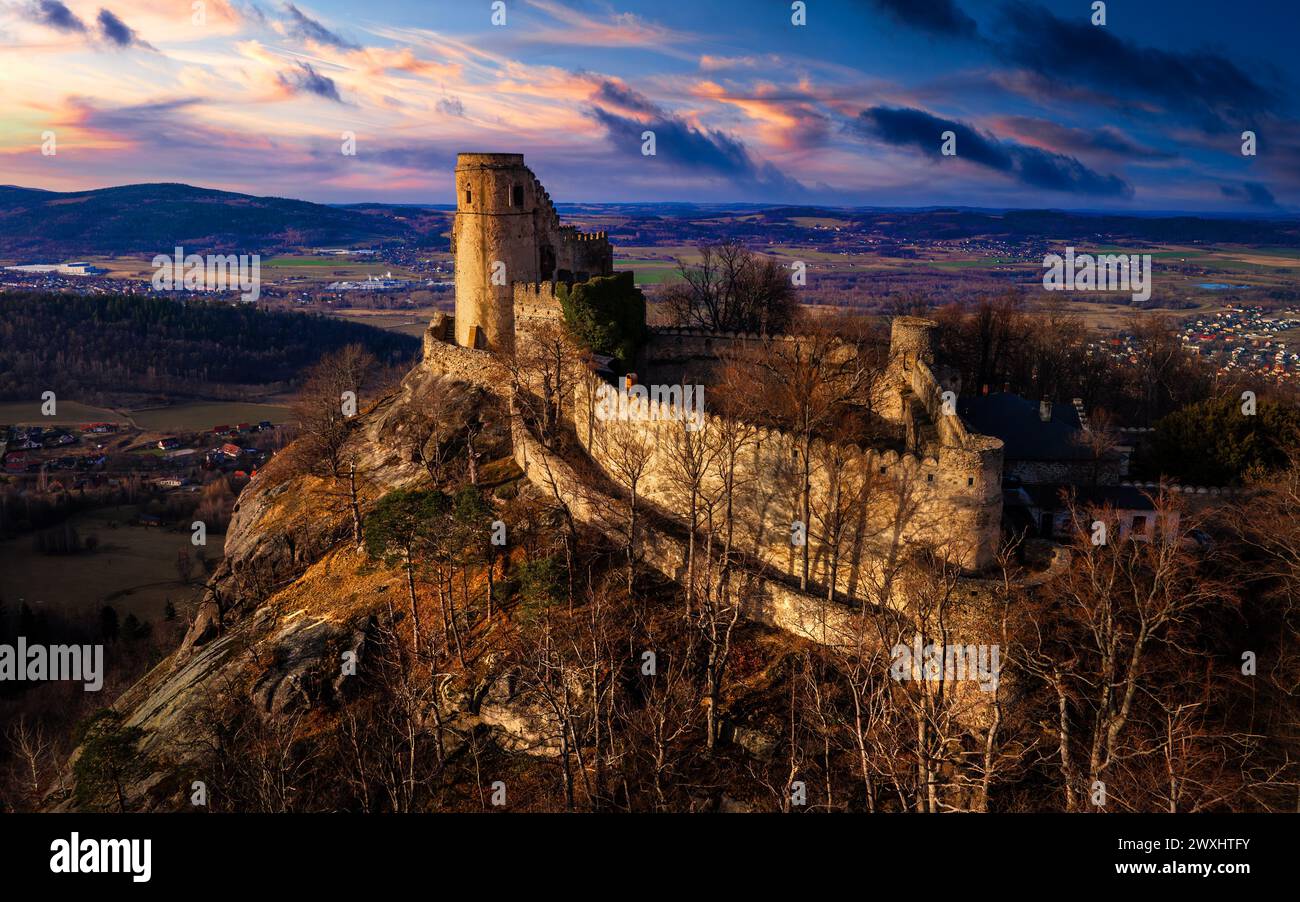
(1028, 165)
(682, 145)
(936, 16)
(426, 156)
(621, 96)
(304, 27)
(116, 32)
(305, 79)
(54, 14)
(1205, 84)
(1252, 193)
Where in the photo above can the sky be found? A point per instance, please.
(1046, 109)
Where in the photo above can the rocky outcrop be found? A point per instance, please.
(292, 593)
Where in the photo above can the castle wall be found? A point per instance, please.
(765, 601)
(889, 501)
(535, 303)
(467, 364)
(580, 255)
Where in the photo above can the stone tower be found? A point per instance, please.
(494, 242)
(913, 337)
(506, 231)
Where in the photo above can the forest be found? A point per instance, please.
(101, 348)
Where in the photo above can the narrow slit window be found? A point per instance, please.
(517, 196)
(469, 197)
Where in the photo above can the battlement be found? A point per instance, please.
(536, 302)
(1178, 489)
(476, 160)
(535, 292)
(570, 233)
(689, 332)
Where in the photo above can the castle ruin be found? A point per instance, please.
(511, 251)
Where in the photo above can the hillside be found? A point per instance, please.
(154, 218)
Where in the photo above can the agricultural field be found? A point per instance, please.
(412, 322)
(68, 413)
(273, 269)
(133, 568)
(201, 415)
(196, 416)
(330, 269)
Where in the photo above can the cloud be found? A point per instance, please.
(421, 156)
(184, 140)
(710, 62)
(1104, 141)
(935, 16)
(583, 29)
(118, 33)
(612, 93)
(306, 28)
(53, 14)
(1027, 165)
(451, 106)
(176, 127)
(690, 149)
(1201, 83)
(1252, 193)
(251, 12)
(787, 118)
(306, 79)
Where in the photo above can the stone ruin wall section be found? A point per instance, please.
(954, 500)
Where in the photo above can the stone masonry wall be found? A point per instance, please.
(890, 500)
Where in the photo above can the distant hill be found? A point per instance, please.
(154, 218)
(41, 226)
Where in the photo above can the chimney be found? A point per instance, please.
(1045, 410)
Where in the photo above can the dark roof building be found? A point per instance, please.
(1029, 430)
(1043, 441)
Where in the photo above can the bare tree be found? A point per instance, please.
(1107, 630)
(627, 448)
(326, 425)
(733, 289)
(34, 754)
(688, 460)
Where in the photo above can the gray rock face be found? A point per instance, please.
(283, 525)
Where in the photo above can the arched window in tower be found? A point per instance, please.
(469, 197)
